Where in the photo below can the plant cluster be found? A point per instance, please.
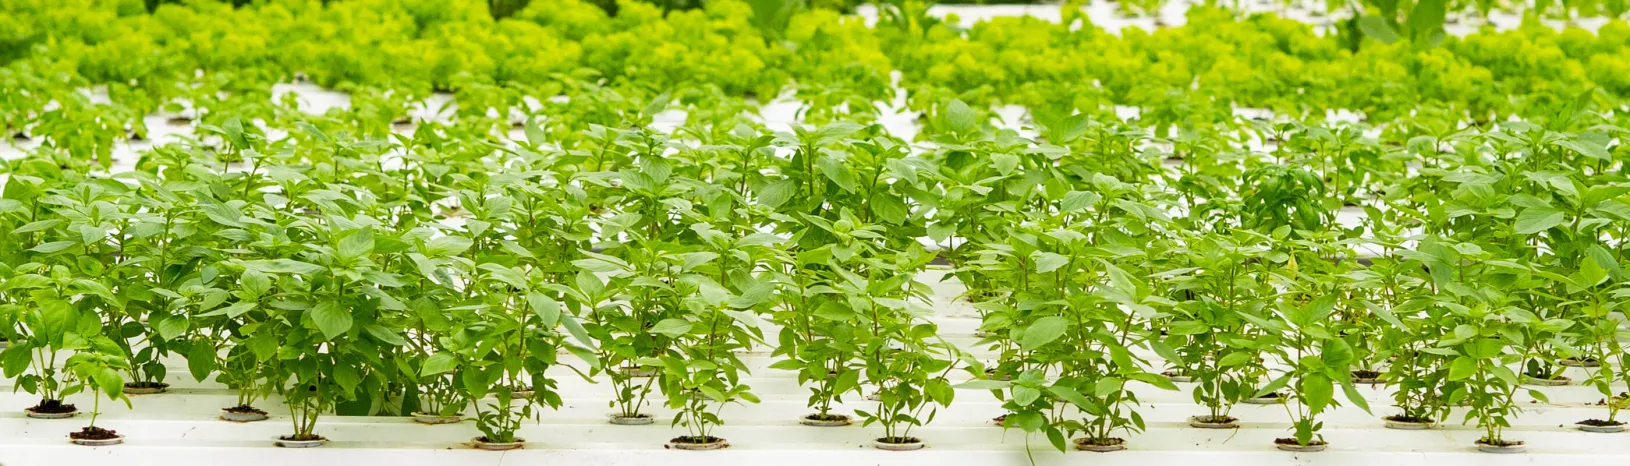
(185, 56)
(357, 261)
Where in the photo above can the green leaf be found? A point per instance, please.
(1069, 394)
(1591, 273)
(1043, 331)
(1024, 396)
(984, 385)
(447, 246)
(546, 308)
(1106, 386)
(1462, 368)
(285, 266)
(1377, 28)
(598, 265)
(475, 384)
(1386, 315)
(940, 391)
(1533, 221)
(836, 131)
(535, 134)
(1004, 163)
(673, 328)
(513, 277)
(171, 327)
(224, 215)
(577, 331)
(656, 105)
(1605, 259)
(1538, 395)
(384, 334)
(233, 132)
(54, 247)
(332, 319)
(1056, 438)
(941, 231)
(1047, 262)
(41, 225)
(438, 363)
(889, 208)
(25, 281)
(1586, 148)
(347, 376)
(201, 361)
(1077, 200)
(1355, 397)
(1157, 380)
(1317, 391)
(357, 244)
(1337, 354)
(1164, 351)
(1427, 17)
(959, 117)
(837, 172)
(777, 192)
(1273, 386)
(238, 309)
(254, 283)
(111, 382)
(1234, 359)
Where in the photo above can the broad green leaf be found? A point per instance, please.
(224, 214)
(41, 225)
(1427, 17)
(384, 334)
(1317, 391)
(1462, 368)
(1106, 386)
(984, 385)
(1046, 262)
(1583, 147)
(889, 208)
(332, 319)
(357, 244)
(777, 192)
(1377, 28)
(577, 330)
(1043, 331)
(438, 363)
(1077, 200)
(170, 327)
(201, 360)
(959, 117)
(447, 246)
(673, 328)
(1533, 221)
(1069, 394)
(1024, 396)
(1354, 397)
(546, 308)
(834, 170)
(53, 247)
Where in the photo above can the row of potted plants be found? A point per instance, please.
(1196, 74)
(450, 268)
(1459, 277)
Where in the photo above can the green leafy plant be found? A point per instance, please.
(1420, 22)
(1319, 360)
(98, 366)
